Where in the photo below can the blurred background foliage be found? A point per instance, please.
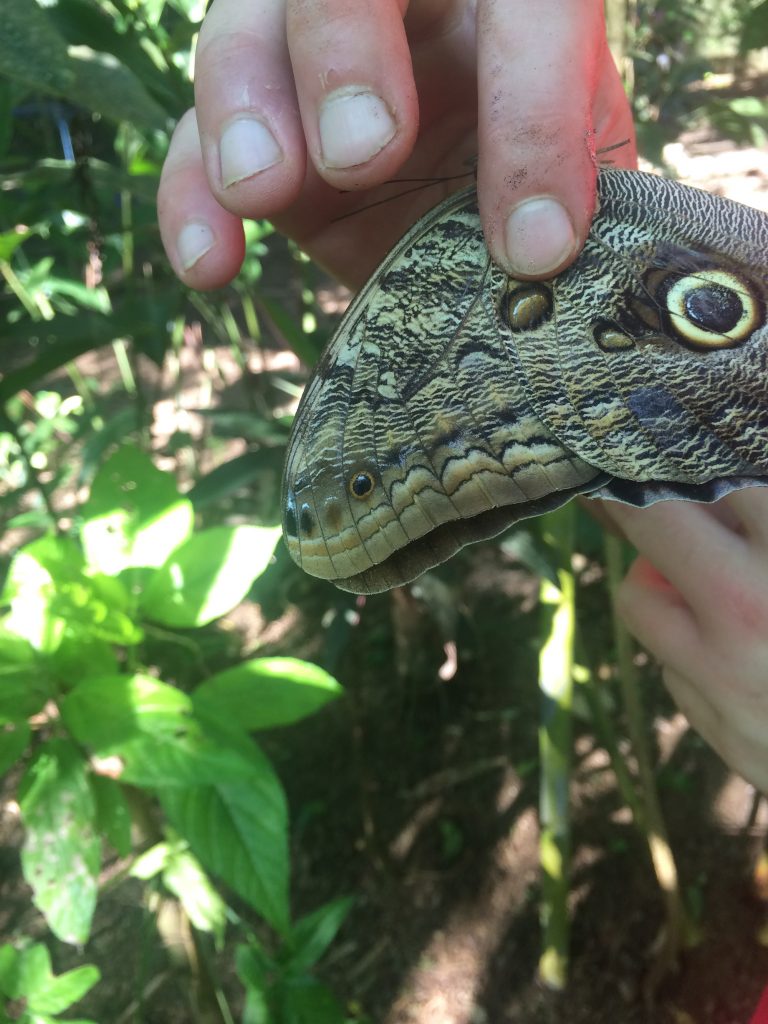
(100, 344)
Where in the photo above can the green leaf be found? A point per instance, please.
(10, 241)
(31, 586)
(113, 816)
(66, 989)
(51, 594)
(33, 52)
(151, 728)
(27, 975)
(266, 692)
(754, 32)
(151, 862)
(82, 22)
(134, 516)
(14, 738)
(80, 656)
(9, 968)
(231, 477)
(240, 833)
(208, 575)
(24, 685)
(313, 934)
(184, 877)
(309, 1002)
(61, 854)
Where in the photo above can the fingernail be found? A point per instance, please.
(247, 147)
(539, 236)
(193, 242)
(353, 128)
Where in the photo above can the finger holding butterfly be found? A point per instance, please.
(697, 598)
(550, 96)
(308, 108)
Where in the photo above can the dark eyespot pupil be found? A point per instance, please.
(714, 308)
(290, 522)
(361, 485)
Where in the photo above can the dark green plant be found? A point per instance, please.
(91, 730)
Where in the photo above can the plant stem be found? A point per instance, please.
(555, 728)
(651, 819)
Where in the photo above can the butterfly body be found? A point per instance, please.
(454, 400)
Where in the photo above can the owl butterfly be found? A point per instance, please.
(454, 400)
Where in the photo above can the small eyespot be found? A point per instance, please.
(610, 338)
(361, 485)
(526, 306)
(713, 309)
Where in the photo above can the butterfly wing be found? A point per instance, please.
(454, 400)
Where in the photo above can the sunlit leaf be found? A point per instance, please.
(208, 575)
(26, 975)
(184, 877)
(134, 516)
(62, 851)
(266, 692)
(151, 728)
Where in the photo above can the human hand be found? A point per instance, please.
(697, 598)
(335, 98)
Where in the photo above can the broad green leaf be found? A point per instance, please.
(256, 1009)
(312, 935)
(61, 853)
(34, 575)
(32, 970)
(24, 683)
(64, 990)
(208, 575)
(9, 967)
(50, 594)
(82, 22)
(151, 727)
(240, 833)
(231, 477)
(33, 52)
(307, 1001)
(754, 30)
(266, 692)
(28, 976)
(134, 516)
(113, 816)
(184, 877)
(14, 737)
(80, 656)
(97, 607)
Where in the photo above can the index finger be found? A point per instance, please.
(540, 67)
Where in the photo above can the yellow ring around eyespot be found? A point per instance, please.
(741, 330)
(355, 478)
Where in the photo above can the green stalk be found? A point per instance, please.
(650, 819)
(558, 602)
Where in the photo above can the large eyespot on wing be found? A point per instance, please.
(713, 309)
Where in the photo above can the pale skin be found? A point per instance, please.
(332, 99)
